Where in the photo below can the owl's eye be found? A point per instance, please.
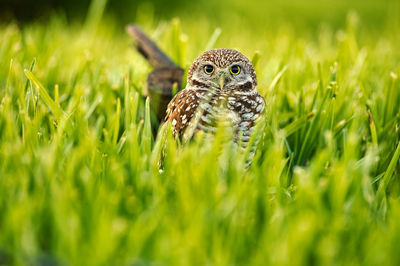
(235, 70)
(209, 69)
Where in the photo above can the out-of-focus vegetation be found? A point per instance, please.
(79, 176)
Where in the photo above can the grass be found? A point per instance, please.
(79, 167)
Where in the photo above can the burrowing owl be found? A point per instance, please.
(221, 85)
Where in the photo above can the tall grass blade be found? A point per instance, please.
(54, 108)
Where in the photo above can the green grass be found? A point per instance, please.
(79, 168)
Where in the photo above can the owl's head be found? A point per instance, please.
(224, 69)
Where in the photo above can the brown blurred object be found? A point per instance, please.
(165, 76)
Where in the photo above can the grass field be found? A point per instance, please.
(79, 177)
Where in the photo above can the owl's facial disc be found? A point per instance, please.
(222, 68)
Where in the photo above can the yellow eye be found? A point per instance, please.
(209, 69)
(235, 70)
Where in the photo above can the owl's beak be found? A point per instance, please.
(221, 81)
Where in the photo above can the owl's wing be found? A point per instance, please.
(181, 109)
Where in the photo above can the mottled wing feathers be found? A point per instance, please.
(181, 110)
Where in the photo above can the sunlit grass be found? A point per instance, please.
(79, 167)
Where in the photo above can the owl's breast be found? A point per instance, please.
(200, 109)
(217, 111)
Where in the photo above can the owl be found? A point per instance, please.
(221, 87)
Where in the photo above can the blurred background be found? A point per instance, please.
(265, 14)
(227, 21)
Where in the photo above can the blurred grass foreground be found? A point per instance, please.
(79, 177)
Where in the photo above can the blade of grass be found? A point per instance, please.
(255, 59)
(9, 76)
(127, 106)
(372, 128)
(383, 185)
(54, 108)
(312, 131)
(147, 134)
(116, 125)
(276, 79)
(297, 124)
(213, 39)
